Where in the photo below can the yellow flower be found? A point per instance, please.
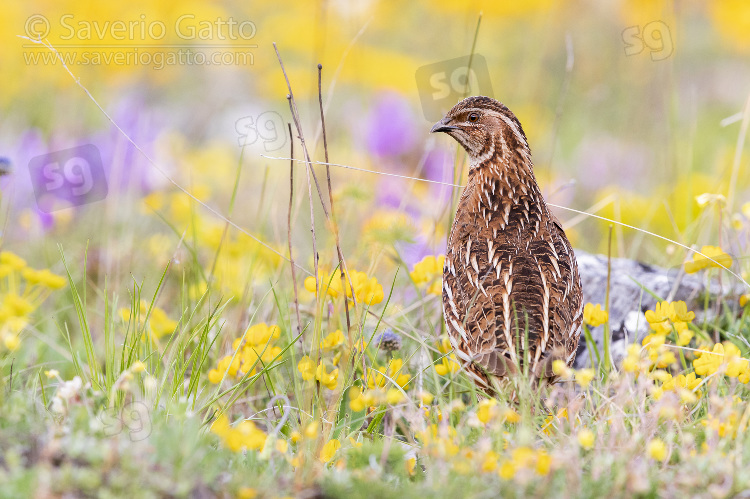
(15, 306)
(548, 427)
(700, 262)
(394, 396)
(12, 342)
(250, 436)
(226, 365)
(663, 357)
(159, 324)
(560, 368)
(526, 458)
(511, 416)
(737, 367)
(449, 363)
(329, 450)
(356, 399)
(657, 449)
(709, 361)
(333, 290)
(737, 222)
(245, 436)
(660, 375)
(311, 430)
(684, 337)
(282, 446)
(653, 341)
(731, 19)
(12, 260)
(543, 463)
(594, 316)
(367, 290)
(411, 466)
(333, 340)
(723, 426)
(507, 470)
(260, 334)
(657, 392)
(329, 380)
(658, 318)
(678, 312)
(632, 363)
(247, 493)
(744, 300)
(586, 438)
(425, 397)
(138, 367)
(52, 373)
(253, 356)
(489, 463)
(523, 456)
(428, 272)
(486, 410)
(584, 377)
(43, 277)
(690, 381)
(687, 397)
(375, 379)
(306, 367)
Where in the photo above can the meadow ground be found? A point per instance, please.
(162, 330)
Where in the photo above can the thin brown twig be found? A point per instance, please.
(308, 161)
(309, 171)
(289, 230)
(292, 106)
(295, 118)
(312, 208)
(334, 226)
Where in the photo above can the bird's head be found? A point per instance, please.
(484, 127)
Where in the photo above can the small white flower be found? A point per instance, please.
(57, 406)
(707, 198)
(69, 389)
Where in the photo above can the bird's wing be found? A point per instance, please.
(507, 300)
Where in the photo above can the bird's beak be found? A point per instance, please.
(442, 126)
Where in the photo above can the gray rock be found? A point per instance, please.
(632, 289)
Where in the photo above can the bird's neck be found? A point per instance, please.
(502, 180)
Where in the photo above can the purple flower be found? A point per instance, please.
(391, 126)
(388, 341)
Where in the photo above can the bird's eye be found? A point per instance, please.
(473, 117)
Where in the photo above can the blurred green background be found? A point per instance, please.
(632, 108)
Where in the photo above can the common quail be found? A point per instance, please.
(511, 288)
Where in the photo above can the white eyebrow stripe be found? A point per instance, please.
(508, 121)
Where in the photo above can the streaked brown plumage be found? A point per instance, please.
(509, 269)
